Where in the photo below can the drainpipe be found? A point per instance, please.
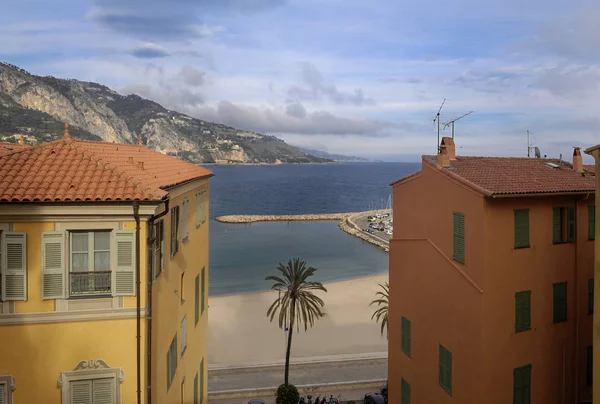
(150, 243)
(136, 215)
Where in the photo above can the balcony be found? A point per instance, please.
(91, 283)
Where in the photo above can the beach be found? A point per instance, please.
(240, 333)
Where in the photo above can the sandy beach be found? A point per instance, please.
(240, 333)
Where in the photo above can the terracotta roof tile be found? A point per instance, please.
(515, 175)
(77, 170)
(7, 147)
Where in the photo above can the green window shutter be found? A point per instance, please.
(406, 336)
(196, 300)
(459, 237)
(203, 299)
(168, 369)
(196, 389)
(571, 225)
(589, 365)
(556, 225)
(404, 392)
(591, 296)
(202, 381)
(521, 228)
(560, 302)
(592, 221)
(522, 385)
(445, 369)
(522, 311)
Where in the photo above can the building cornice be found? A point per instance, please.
(70, 316)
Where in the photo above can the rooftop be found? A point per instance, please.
(495, 176)
(78, 170)
(7, 147)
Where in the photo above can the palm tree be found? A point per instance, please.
(296, 303)
(383, 302)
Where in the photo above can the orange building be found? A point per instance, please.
(491, 280)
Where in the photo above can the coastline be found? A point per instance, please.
(346, 329)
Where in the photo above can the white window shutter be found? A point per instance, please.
(81, 392)
(53, 265)
(3, 393)
(14, 266)
(123, 278)
(184, 219)
(104, 391)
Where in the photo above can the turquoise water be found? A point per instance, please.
(242, 255)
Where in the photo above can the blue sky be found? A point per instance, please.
(345, 76)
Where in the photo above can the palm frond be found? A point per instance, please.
(382, 302)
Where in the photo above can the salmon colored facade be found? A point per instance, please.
(453, 317)
(69, 290)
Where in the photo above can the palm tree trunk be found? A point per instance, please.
(289, 344)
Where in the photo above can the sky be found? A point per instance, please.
(354, 77)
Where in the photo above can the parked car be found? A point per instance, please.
(255, 401)
(374, 398)
(384, 392)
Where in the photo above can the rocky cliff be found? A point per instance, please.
(37, 106)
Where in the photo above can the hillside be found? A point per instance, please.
(37, 107)
(336, 157)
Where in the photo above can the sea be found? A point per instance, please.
(242, 255)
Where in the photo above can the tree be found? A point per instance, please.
(296, 303)
(382, 302)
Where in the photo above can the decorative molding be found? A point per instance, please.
(9, 380)
(58, 213)
(90, 370)
(70, 316)
(91, 365)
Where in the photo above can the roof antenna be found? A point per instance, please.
(437, 118)
(454, 120)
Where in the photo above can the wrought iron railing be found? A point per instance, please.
(90, 283)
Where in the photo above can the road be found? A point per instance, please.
(343, 394)
(363, 223)
(300, 374)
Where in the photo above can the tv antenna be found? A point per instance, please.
(437, 118)
(451, 123)
(535, 149)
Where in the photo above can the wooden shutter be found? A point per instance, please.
(3, 393)
(53, 265)
(104, 391)
(203, 203)
(81, 392)
(198, 218)
(522, 385)
(560, 302)
(14, 265)
(571, 224)
(196, 388)
(521, 228)
(184, 219)
(183, 332)
(459, 237)
(196, 300)
(405, 392)
(406, 336)
(445, 369)
(123, 279)
(202, 381)
(591, 222)
(556, 225)
(590, 296)
(203, 291)
(522, 311)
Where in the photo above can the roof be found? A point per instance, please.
(590, 167)
(78, 170)
(514, 176)
(7, 147)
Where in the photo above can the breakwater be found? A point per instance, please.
(349, 225)
(281, 218)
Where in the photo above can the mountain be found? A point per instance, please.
(336, 157)
(37, 108)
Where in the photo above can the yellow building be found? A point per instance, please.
(104, 275)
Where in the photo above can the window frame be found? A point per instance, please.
(90, 370)
(564, 222)
(517, 225)
(406, 336)
(91, 235)
(556, 316)
(8, 381)
(174, 240)
(183, 334)
(158, 260)
(518, 372)
(172, 361)
(185, 235)
(445, 368)
(525, 313)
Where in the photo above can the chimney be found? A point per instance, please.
(448, 148)
(66, 135)
(140, 141)
(22, 140)
(141, 165)
(577, 159)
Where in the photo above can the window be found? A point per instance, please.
(14, 266)
(171, 361)
(90, 263)
(445, 369)
(181, 288)
(521, 228)
(406, 336)
(196, 300)
(196, 389)
(202, 381)
(158, 247)
(459, 237)
(95, 391)
(182, 390)
(563, 225)
(203, 297)
(7, 385)
(184, 219)
(522, 311)
(589, 366)
(522, 385)
(203, 205)
(198, 206)
(183, 332)
(560, 302)
(591, 222)
(174, 230)
(404, 392)
(591, 296)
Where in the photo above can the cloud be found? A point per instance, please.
(149, 51)
(296, 110)
(315, 88)
(569, 81)
(192, 76)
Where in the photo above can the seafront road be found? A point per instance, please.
(302, 374)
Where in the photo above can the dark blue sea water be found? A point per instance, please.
(242, 255)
